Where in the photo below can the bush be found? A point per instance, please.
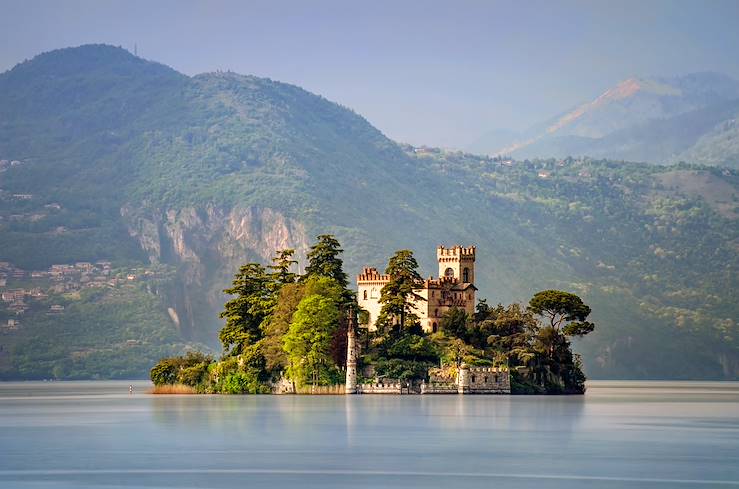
(194, 375)
(164, 372)
(189, 369)
(396, 368)
(243, 383)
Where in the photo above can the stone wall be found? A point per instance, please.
(486, 380)
(439, 388)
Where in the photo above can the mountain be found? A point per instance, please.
(130, 194)
(660, 120)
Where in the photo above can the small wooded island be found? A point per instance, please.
(311, 334)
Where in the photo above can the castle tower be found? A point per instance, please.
(463, 379)
(457, 262)
(351, 356)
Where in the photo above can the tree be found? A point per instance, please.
(308, 341)
(278, 325)
(454, 322)
(456, 351)
(398, 295)
(481, 310)
(188, 369)
(244, 314)
(282, 263)
(567, 316)
(324, 261)
(565, 311)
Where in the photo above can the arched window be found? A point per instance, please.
(365, 294)
(466, 275)
(449, 272)
(436, 313)
(434, 327)
(373, 293)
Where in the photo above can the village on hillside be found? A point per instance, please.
(24, 291)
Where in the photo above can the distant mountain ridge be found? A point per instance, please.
(185, 178)
(660, 120)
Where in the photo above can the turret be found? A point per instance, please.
(463, 379)
(351, 356)
(457, 262)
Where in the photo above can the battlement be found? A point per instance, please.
(438, 283)
(456, 251)
(370, 274)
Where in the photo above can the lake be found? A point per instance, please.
(619, 435)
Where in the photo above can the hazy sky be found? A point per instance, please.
(424, 72)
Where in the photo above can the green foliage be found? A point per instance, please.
(454, 322)
(190, 369)
(565, 311)
(242, 383)
(244, 314)
(164, 372)
(324, 261)
(278, 325)
(397, 307)
(308, 341)
(456, 351)
(412, 347)
(401, 369)
(111, 137)
(282, 264)
(108, 333)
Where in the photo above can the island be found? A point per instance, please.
(398, 333)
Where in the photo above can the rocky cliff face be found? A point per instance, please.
(207, 245)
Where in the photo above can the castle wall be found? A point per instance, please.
(387, 387)
(467, 380)
(487, 380)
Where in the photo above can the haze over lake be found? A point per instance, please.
(619, 435)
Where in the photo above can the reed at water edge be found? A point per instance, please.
(173, 389)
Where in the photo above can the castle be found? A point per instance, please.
(455, 287)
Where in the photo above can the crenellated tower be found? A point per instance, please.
(457, 262)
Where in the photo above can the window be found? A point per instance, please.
(473, 379)
(365, 295)
(373, 293)
(434, 328)
(466, 275)
(485, 379)
(436, 313)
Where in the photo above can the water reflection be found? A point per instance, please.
(618, 435)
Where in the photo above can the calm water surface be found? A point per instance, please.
(619, 435)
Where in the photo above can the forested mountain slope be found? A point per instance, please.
(177, 180)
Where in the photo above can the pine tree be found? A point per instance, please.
(398, 295)
(245, 313)
(324, 261)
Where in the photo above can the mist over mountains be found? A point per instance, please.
(176, 181)
(688, 118)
